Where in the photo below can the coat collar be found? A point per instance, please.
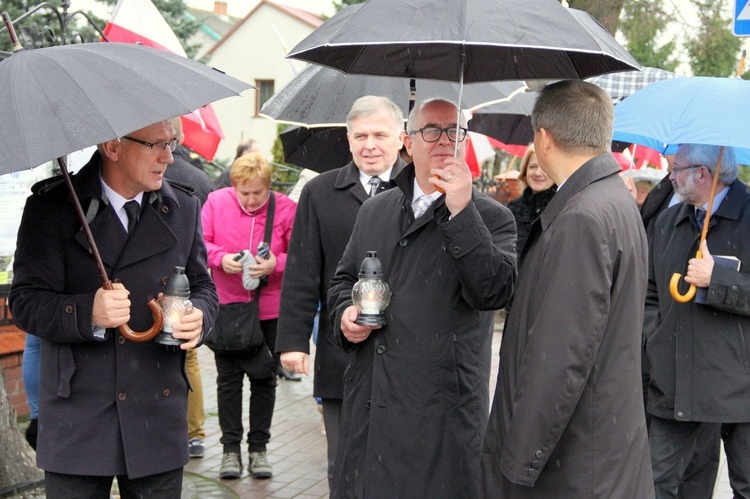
(731, 207)
(591, 171)
(348, 178)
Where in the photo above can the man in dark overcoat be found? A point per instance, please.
(567, 420)
(325, 218)
(109, 406)
(697, 350)
(416, 390)
(699, 479)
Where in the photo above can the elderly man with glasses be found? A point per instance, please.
(416, 390)
(110, 407)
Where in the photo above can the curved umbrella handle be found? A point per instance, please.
(151, 332)
(675, 282)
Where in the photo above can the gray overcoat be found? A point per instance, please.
(568, 420)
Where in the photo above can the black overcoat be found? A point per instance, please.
(567, 419)
(700, 353)
(114, 406)
(416, 391)
(324, 221)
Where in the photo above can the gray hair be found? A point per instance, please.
(578, 115)
(702, 154)
(411, 124)
(369, 104)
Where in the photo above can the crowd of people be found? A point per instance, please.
(607, 386)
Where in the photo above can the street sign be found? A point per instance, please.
(741, 25)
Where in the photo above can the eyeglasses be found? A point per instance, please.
(160, 146)
(433, 133)
(688, 167)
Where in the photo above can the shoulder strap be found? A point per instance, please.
(268, 230)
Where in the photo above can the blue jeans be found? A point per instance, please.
(30, 373)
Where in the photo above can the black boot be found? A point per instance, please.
(283, 373)
(31, 432)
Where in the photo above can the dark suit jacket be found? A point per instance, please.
(325, 218)
(109, 406)
(656, 202)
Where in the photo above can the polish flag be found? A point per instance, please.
(139, 21)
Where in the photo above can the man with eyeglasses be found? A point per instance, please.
(110, 407)
(698, 350)
(416, 390)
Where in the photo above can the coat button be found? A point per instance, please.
(165, 393)
(164, 281)
(403, 242)
(539, 454)
(122, 396)
(679, 414)
(77, 366)
(456, 250)
(368, 404)
(535, 464)
(734, 288)
(68, 309)
(164, 209)
(531, 472)
(121, 340)
(381, 349)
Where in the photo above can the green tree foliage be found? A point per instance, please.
(642, 24)
(607, 12)
(714, 50)
(340, 4)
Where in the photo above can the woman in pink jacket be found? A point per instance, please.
(234, 220)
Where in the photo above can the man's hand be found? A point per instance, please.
(111, 306)
(189, 328)
(700, 269)
(352, 331)
(296, 362)
(455, 180)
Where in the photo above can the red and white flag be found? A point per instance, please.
(139, 21)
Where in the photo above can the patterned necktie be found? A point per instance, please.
(421, 204)
(132, 208)
(374, 184)
(700, 216)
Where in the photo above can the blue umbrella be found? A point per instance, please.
(691, 110)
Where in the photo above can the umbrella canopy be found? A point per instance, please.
(625, 83)
(694, 110)
(57, 100)
(317, 149)
(508, 121)
(489, 40)
(319, 96)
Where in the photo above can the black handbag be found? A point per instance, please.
(237, 327)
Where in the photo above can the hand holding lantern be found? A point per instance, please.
(371, 294)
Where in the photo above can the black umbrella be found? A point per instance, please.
(465, 40)
(317, 149)
(319, 96)
(57, 100)
(508, 121)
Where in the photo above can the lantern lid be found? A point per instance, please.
(371, 266)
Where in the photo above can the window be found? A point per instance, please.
(264, 92)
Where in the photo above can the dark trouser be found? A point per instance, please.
(167, 485)
(260, 368)
(676, 444)
(332, 418)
